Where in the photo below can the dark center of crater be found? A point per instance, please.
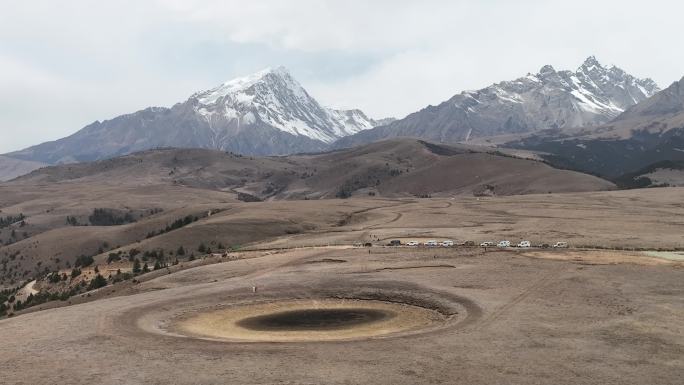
(314, 319)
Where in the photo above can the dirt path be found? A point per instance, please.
(25, 291)
(526, 293)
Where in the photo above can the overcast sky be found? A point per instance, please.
(65, 64)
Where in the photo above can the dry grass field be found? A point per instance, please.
(277, 290)
(400, 315)
(503, 317)
(143, 194)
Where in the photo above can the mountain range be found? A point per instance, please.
(597, 119)
(589, 96)
(266, 113)
(645, 134)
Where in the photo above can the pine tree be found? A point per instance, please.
(97, 282)
(136, 266)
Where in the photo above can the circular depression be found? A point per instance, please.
(314, 319)
(306, 320)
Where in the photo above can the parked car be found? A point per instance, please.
(448, 243)
(504, 244)
(412, 243)
(543, 245)
(431, 243)
(561, 245)
(395, 242)
(487, 244)
(524, 244)
(469, 243)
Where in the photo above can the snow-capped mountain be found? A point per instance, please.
(645, 134)
(274, 98)
(591, 95)
(266, 113)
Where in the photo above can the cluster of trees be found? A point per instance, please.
(159, 258)
(10, 220)
(42, 297)
(97, 282)
(177, 224)
(72, 221)
(55, 277)
(114, 257)
(12, 238)
(344, 192)
(137, 269)
(248, 197)
(84, 261)
(121, 276)
(45, 296)
(109, 217)
(6, 295)
(202, 248)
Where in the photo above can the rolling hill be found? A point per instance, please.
(167, 198)
(11, 168)
(400, 167)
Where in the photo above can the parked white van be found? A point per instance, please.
(412, 243)
(431, 243)
(524, 244)
(561, 245)
(487, 244)
(448, 243)
(504, 244)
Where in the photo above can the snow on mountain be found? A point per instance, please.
(350, 122)
(647, 133)
(274, 97)
(550, 99)
(266, 113)
(591, 95)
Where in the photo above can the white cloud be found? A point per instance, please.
(313, 25)
(64, 64)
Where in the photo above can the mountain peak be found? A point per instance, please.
(264, 113)
(547, 69)
(240, 84)
(280, 71)
(274, 98)
(591, 61)
(550, 99)
(665, 102)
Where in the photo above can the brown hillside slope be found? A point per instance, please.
(156, 188)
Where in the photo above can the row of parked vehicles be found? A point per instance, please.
(501, 244)
(524, 244)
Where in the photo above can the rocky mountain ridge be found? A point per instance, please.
(266, 113)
